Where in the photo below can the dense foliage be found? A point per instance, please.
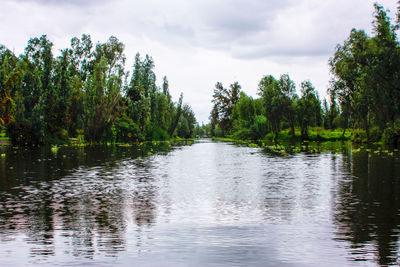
(364, 95)
(367, 77)
(86, 92)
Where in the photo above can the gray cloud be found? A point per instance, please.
(234, 19)
(246, 29)
(198, 42)
(80, 3)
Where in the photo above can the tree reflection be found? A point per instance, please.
(368, 208)
(77, 196)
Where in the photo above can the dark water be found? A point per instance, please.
(208, 204)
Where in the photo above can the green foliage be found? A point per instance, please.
(259, 127)
(244, 134)
(366, 75)
(218, 132)
(224, 101)
(280, 102)
(364, 94)
(391, 135)
(375, 134)
(244, 111)
(156, 133)
(359, 136)
(126, 131)
(46, 99)
(183, 128)
(309, 108)
(274, 103)
(21, 134)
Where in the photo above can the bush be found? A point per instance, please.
(259, 127)
(57, 138)
(126, 131)
(359, 136)
(183, 130)
(218, 132)
(375, 134)
(80, 135)
(244, 134)
(270, 137)
(21, 134)
(159, 134)
(337, 122)
(391, 135)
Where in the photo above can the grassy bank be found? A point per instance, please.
(319, 140)
(315, 134)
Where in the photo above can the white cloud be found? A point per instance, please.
(197, 43)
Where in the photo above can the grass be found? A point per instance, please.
(314, 134)
(320, 140)
(3, 136)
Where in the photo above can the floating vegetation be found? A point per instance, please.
(55, 149)
(125, 145)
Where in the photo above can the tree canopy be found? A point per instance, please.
(86, 92)
(364, 94)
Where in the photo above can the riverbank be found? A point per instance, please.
(319, 141)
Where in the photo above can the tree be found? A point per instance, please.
(177, 116)
(309, 108)
(82, 55)
(289, 99)
(224, 100)
(101, 102)
(366, 74)
(39, 55)
(214, 118)
(9, 81)
(85, 90)
(274, 103)
(189, 116)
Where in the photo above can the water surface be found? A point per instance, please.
(208, 204)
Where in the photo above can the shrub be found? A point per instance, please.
(337, 122)
(244, 134)
(21, 133)
(259, 127)
(126, 130)
(391, 135)
(359, 136)
(270, 137)
(159, 134)
(375, 134)
(218, 132)
(80, 135)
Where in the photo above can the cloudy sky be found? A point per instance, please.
(199, 42)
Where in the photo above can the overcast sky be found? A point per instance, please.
(199, 42)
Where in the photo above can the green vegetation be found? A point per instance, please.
(363, 105)
(85, 95)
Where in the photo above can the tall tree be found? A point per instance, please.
(274, 102)
(224, 100)
(309, 108)
(289, 100)
(9, 82)
(177, 116)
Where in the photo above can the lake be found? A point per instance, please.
(204, 204)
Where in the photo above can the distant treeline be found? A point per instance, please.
(86, 93)
(364, 95)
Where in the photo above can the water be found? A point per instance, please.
(208, 204)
